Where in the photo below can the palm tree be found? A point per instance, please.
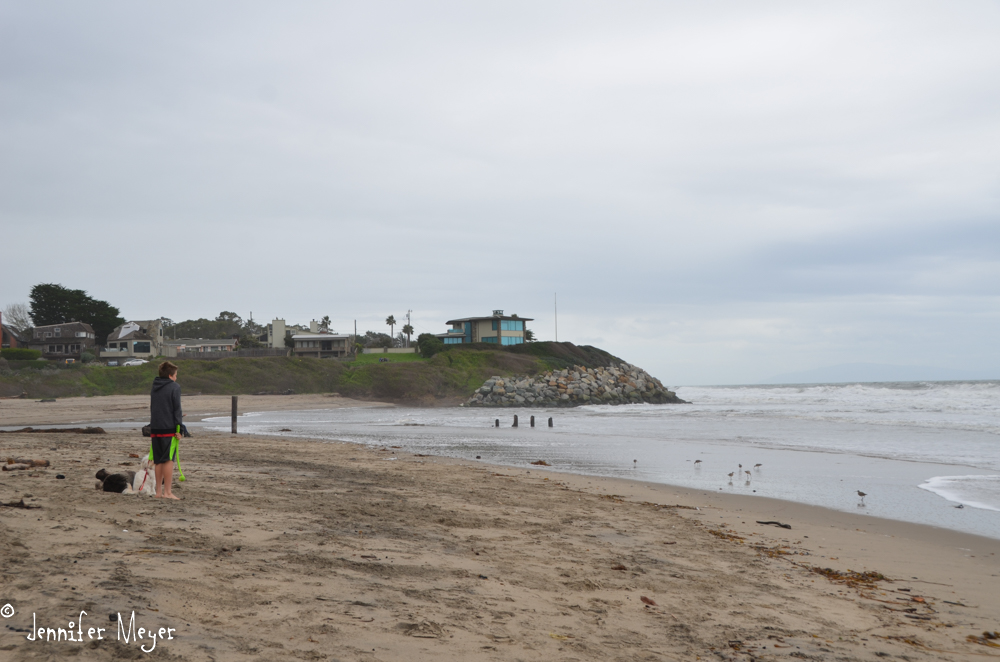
(391, 321)
(407, 329)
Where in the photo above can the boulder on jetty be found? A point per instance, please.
(617, 384)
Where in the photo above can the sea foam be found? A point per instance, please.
(973, 491)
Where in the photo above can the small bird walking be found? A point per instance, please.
(731, 474)
(862, 495)
(758, 465)
(697, 462)
(747, 472)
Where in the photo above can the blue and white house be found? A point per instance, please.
(497, 328)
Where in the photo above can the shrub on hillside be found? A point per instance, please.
(87, 357)
(429, 345)
(20, 354)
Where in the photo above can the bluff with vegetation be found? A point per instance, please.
(448, 378)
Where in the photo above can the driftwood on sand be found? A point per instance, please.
(20, 463)
(87, 430)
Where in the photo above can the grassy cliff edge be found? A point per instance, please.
(448, 378)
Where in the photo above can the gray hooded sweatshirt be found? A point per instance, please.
(165, 406)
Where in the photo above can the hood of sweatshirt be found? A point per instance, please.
(162, 382)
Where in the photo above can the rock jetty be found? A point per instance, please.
(617, 384)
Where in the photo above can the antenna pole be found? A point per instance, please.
(555, 308)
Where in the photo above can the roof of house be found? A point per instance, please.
(77, 325)
(490, 317)
(134, 330)
(319, 336)
(201, 341)
(16, 335)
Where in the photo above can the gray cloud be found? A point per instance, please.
(716, 192)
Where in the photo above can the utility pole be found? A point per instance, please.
(408, 324)
(355, 348)
(555, 308)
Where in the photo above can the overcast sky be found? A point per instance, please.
(718, 192)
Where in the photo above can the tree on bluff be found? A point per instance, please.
(429, 345)
(226, 325)
(375, 339)
(18, 317)
(55, 304)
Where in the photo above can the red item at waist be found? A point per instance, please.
(172, 434)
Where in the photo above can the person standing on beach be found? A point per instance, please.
(165, 419)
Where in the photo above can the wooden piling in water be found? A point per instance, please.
(235, 398)
(550, 421)
(532, 421)
(515, 421)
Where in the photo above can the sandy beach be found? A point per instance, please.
(298, 550)
(135, 408)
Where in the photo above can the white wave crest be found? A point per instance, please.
(973, 491)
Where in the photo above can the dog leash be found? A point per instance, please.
(145, 476)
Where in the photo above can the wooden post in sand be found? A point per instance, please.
(550, 421)
(496, 423)
(532, 421)
(515, 421)
(235, 398)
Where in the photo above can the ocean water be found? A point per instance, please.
(917, 449)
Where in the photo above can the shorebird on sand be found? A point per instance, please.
(731, 474)
(697, 462)
(747, 472)
(758, 465)
(862, 495)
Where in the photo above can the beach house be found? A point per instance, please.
(171, 348)
(496, 328)
(320, 345)
(9, 338)
(134, 340)
(62, 341)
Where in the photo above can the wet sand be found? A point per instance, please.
(284, 549)
(135, 408)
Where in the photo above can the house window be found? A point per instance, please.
(52, 349)
(452, 341)
(511, 340)
(494, 325)
(492, 339)
(512, 325)
(140, 347)
(48, 334)
(58, 331)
